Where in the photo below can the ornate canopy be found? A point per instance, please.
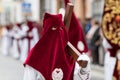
(111, 22)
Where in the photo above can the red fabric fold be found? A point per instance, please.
(75, 32)
(49, 53)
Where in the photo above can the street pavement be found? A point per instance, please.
(97, 72)
(11, 69)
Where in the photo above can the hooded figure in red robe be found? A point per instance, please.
(49, 53)
(49, 58)
(76, 35)
(77, 39)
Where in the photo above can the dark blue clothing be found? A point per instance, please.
(87, 27)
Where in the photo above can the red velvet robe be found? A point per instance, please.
(49, 53)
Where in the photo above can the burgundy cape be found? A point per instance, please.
(19, 25)
(30, 25)
(75, 32)
(49, 53)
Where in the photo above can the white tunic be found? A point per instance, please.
(6, 41)
(24, 46)
(109, 61)
(16, 34)
(25, 41)
(79, 73)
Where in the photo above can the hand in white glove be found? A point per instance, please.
(83, 60)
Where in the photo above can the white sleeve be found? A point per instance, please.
(23, 31)
(82, 73)
(32, 74)
(35, 35)
(106, 44)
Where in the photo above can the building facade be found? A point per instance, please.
(12, 10)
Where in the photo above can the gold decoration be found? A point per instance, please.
(110, 27)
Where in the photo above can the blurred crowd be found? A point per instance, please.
(94, 39)
(17, 39)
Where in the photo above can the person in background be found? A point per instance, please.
(93, 38)
(16, 35)
(6, 39)
(102, 50)
(87, 26)
(29, 39)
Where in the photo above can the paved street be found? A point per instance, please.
(97, 72)
(11, 69)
